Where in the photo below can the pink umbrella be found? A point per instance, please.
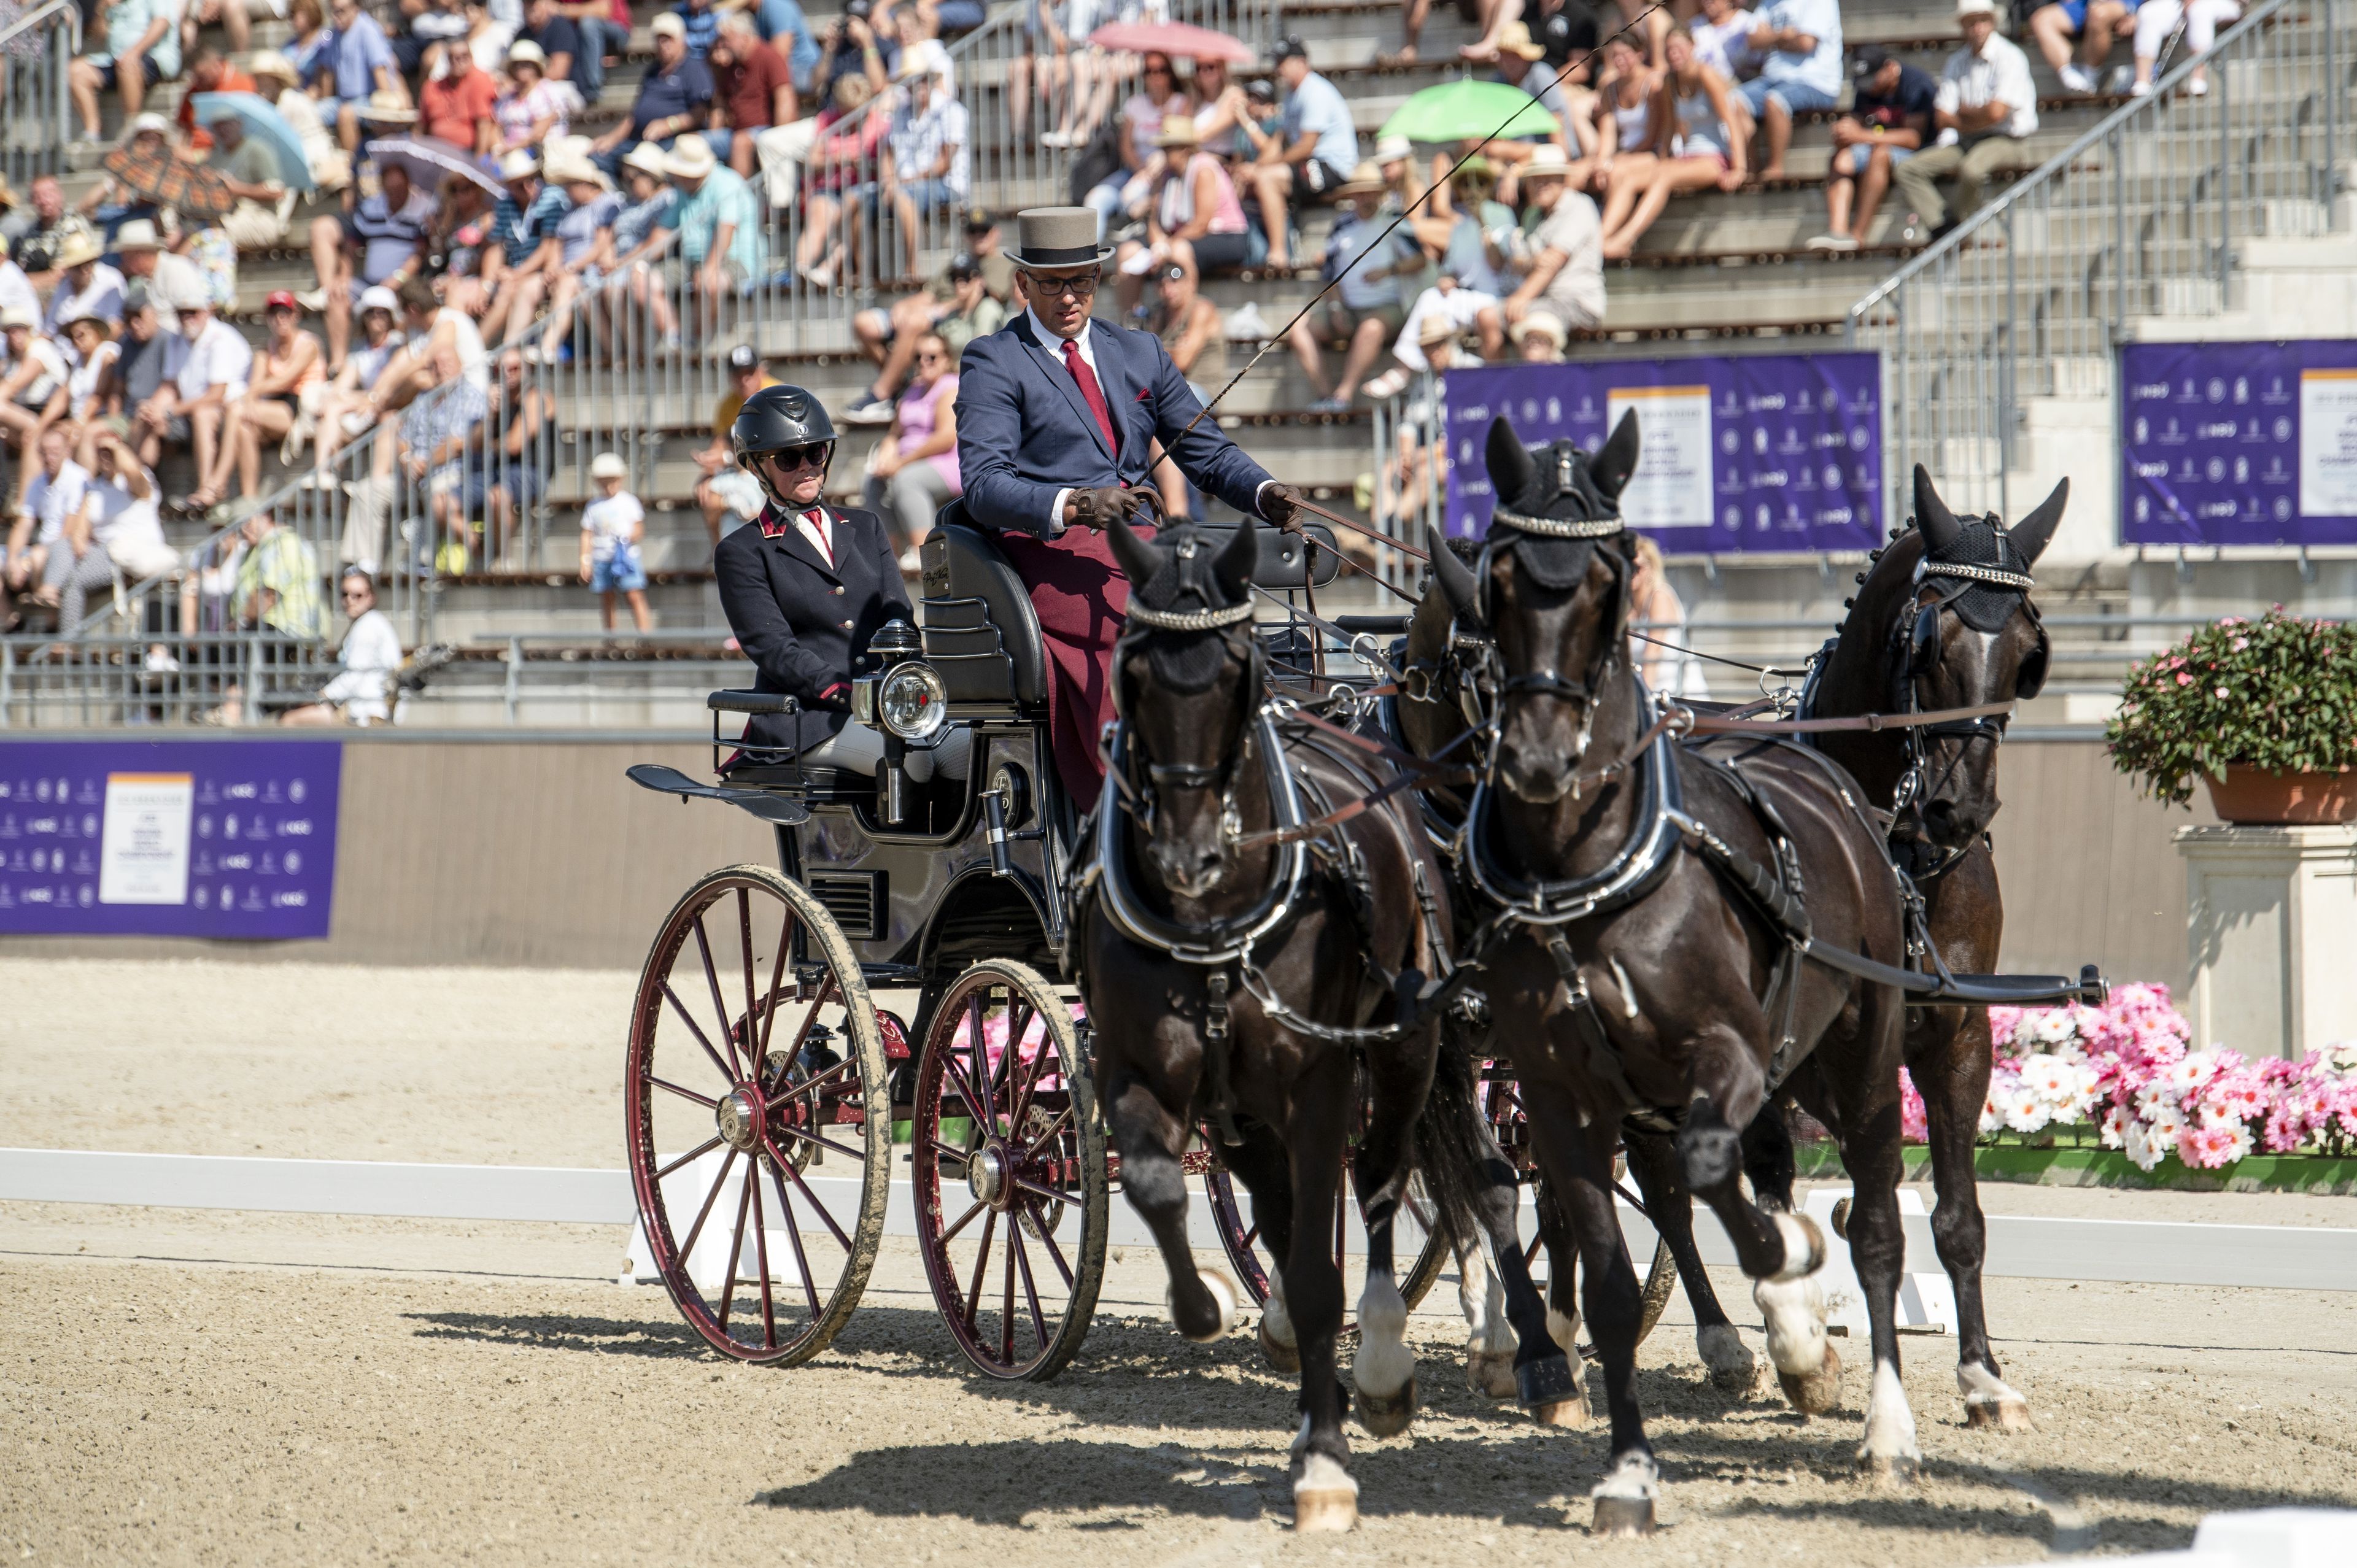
(1177, 39)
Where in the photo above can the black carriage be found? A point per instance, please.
(770, 1098)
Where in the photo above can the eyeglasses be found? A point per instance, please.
(928, 355)
(351, 594)
(812, 457)
(1079, 287)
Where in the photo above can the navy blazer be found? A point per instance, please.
(1025, 431)
(806, 622)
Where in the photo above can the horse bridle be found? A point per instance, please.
(1141, 795)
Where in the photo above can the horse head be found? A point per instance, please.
(1944, 620)
(1551, 589)
(1186, 678)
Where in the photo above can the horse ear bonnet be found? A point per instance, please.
(1185, 664)
(1554, 564)
(1985, 606)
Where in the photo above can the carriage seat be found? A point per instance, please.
(981, 634)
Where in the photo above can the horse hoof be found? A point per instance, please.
(1560, 1413)
(1732, 1367)
(1325, 1512)
(1547, 1380)
(1814, 1394)
(1491, 1373)
(1281, 1356)
(1223, 1304)
(1624, 1516)
(1891, 1470)
(1387, 1415)
(1999, 1415)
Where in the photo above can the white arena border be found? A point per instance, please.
(2131, 1250)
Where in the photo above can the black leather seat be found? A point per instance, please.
(981, 633)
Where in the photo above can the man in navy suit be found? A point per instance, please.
(1058, 416)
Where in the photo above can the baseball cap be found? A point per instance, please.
(1868, 59)
(1290, 47)
(281, 300)
(1173, 273)
(977, 218)
(964, 267)
(744, 357)
(1261, 87)
(1974, 8)
(137, 296)
(607, 466)
(669, 21)
(376, 296)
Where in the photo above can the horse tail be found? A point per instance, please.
(1455, 1153)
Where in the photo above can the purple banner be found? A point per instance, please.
(1763, 453)
(220, 838)
(2238, 443)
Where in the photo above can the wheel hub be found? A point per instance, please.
(988, 1176)
(738, 1121)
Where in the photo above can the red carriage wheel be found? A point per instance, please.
(1007, 1158)
(760, 1166)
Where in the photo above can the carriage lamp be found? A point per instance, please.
(913, 703)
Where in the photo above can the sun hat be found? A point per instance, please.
(141, 125)
(518, 164)
(691, 159)
(78, 246)
(387, 107)
(1178, 131)
(81, 313)
(1546, 162)
(1435, 329)
(1515, 38)
(1540, 326)
(668, 22)
(1367, 179)
(568, 169)
(17, 316)
(647, 158)
(1974, 8)
(137, 235)
(523, 51)
(1392, 149)
(376, 296)
(270, 63)
(608, 466)
(1047, 238)
(280, 299)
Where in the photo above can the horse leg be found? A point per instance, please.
(1488, 1341)
(1780, 1249)
(1878, 1244)
(1325, 1498)
(1582, 1174)
(1259, 1163)
(1953, 1075)
(1383, 1371)
(1563, 1273)
(1151, 1136)
(1671, 1208)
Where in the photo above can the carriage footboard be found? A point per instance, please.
(1944, 990)
(768, 806)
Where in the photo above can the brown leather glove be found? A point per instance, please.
(1097, 508)
(1281, 504)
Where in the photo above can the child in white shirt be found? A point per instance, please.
(611, 529)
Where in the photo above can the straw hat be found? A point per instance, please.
(1435, 329)
(137, 235)
(691, 159)
(1539, 326)
(1367, 179)
(1546, 162)
(518, 164)
(17, 316)
(1178, 131)
(608, 466)
(78, 246)
(647, 158)
(576, 171)
(523, 51)
(1048, 238)
(1515, 38)
(271, 63)
(387, 107)
(1393, 149)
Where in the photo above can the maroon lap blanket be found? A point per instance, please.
(1082, 598)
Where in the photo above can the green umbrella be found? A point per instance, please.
(1456, 110)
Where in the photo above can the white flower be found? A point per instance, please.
(2051, 1025)
(2117, 1125)
(2186, 1075)
(2025, 1112)
(2144, 1148)
(2163, 1122)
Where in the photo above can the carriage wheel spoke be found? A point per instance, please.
(951, 1234)
(1019, 1021)
(762, 1257)
(745, 941)
(1030, 1290)
(736, 1246)
(801, 1033)
(976, 1092)
(683, 1093)
(706, 1148)
(776, 974)
(705, 1212)
(981, 1268)
(843, 1149)
(1055, 1253)
(1030, 1083)
(1058, 1125)
(833, 1228)
(712, 978)
(727, 1073)
(794, 1233)
(1006, 1306)
(1045, 1192)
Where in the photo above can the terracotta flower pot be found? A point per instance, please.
(2254, 796)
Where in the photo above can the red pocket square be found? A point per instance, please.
(1141, 394)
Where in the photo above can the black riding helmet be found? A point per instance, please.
(774, 419)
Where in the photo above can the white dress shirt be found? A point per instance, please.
(815, 528)
(1999, 73)
(218, 357)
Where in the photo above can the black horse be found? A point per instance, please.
(1944, 620)
(1652, 911)
(1248, 961)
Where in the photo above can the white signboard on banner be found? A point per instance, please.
(143, 855)
(1671, 486)
(2327, 443)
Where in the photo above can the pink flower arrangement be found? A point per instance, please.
(2127, 1072)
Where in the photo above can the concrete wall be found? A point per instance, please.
(541, 854)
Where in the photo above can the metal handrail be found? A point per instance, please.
(42, 13)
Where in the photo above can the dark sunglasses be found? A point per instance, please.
(1079, 287)
(811, 457)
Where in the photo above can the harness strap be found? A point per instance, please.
(1215, 1057)
(1715, 724)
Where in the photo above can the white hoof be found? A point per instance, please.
(1490, 1373)
(1278, 1342)
(1325, 1498)
(1804, 1247)
(1383, 1371)
(1805, 1362)
(1223, 1295)
(1732, 1366)
(1624, 1499)
(1889, 1452)
(1991, 1403)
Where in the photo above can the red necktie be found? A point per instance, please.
(1094, 393)
(817, 520)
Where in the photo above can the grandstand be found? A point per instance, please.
(1996, 350)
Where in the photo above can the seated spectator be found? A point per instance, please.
(753, 88)
(462, 106)
(848, 138)
(613, 531)
(361, 690)
(1707, 155)
(1418, 454)
(344, 393)
(1658, 612)
(2155, 19)
(558, 38)
(151, 357)
(94, 387)
(274, 80)
(674, 98)
(522, 252)
(624, 262)
(285, 370)
(852, 46)
(591, 210)
(960, 304)
(529, 109)
(138, 48)
(1890, 120)
(277, 583)
(721, 246)
(509, 468)
(39, 231)
(916, 465)
(55, 492)
(311, 51)
(728, 496)
(925, 159)
(211, 252)
(1316, 150)
(1477, 222)
(164, 272)
(208, 71)
(1195, 336)
(1451, 308)
(434, 27)
(215, 373)
(123, 504)
(1565, 280)
(86, 286)
(457, 235)
(785, 27)
(250, 169)
(604, 26)
(1363, 312)
(1722, 35)
(380, 242)
(1539, 340)
(1193, 216)
(703, 24)
(1630, 125)
(1218, 101)
(32, 389)
(360, 64)
(1144, 117)
(1800, 44)
(2095, 25)
(17, 292)
(75, 566)
(1986, 106)
(438, 433)
(1522, 62)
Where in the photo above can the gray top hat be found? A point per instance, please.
(1051, 237)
